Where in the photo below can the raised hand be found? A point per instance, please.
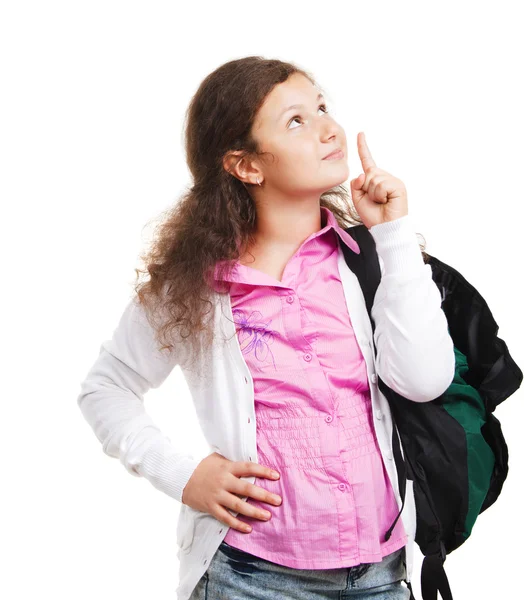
(377, 195)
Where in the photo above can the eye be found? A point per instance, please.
(322, 106)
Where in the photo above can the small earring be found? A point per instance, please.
(258, 182)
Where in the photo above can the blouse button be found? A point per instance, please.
(342, 486)
(329, 418)
(307, 357)
(379, 413)
(373, 378)
(290, 299)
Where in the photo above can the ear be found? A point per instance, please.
(238, 164)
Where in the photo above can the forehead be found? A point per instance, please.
(297, 89)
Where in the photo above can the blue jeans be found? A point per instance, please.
(237, 575)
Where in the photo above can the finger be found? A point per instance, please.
(363, 151)
(382, 191)
(374, 182)
(248, 468)
(259, 493)
(224, 516)
(356, 184)
(244, 508)
(356, 195)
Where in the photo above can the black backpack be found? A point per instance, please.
(454, 450)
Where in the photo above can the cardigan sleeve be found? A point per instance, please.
(111, 400)
(415, 351)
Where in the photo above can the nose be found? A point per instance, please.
(329, 130)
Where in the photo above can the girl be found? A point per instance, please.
(249, 293)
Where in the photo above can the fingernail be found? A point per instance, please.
(275, 474)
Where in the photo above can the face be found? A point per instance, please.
(298, 138)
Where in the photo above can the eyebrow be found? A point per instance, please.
(320, 96)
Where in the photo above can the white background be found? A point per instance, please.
(93, 97)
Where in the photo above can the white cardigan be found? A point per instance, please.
(415, 358)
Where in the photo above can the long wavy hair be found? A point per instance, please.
(214, 219)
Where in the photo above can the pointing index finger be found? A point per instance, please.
(363, 151)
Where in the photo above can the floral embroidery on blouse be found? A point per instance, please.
(253, 334)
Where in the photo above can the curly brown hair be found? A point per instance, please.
(214, 220)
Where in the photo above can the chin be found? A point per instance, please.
(334, 184)
(342, 178)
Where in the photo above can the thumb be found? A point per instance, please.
(357, 183)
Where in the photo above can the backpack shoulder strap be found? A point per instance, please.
(365, 265)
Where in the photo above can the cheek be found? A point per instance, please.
(305, 154)
(297, 157)
(297, 160)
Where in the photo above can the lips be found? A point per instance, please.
(332, 154)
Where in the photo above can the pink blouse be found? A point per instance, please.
(313, 413)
